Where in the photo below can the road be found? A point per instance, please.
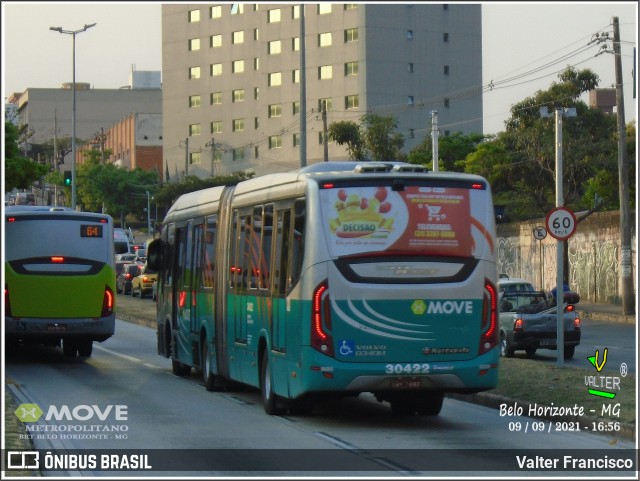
(175, 416)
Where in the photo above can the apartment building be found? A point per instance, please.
(232, 79)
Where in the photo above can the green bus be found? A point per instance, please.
(59, 275)
(337, 279)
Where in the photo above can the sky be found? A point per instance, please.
(525, 46)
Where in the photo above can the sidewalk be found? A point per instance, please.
(605, 312)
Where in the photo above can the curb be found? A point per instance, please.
(627, 430)
(608, 317)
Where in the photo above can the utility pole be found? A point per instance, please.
(186, 156)
(212, 144)
(628, 298)
(303, 92)
(325, 134)
(434, 139)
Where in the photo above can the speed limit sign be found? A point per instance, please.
(561, 223)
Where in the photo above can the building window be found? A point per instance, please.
(273, 16)
(238, 154)
(351, 35)
(275, 110)
(324, 39)
(410, 100)
(351, 68)
(275, 47)
(215, 69)
(275, 142)
(325, 72)
(237, 37)
(412, 133)
(256, 63)
(216, 127)
(194, 101)
(275, 79)
(215, 12)
(215, 41)
(296, 140)
(351, 102)
(238, 66)
(194, 16)
(410, 34)
(256, 93)
(324, 8)
(296, 107)
(350, 6)
(237, 9)
(256, 151)
(445, 7)
(295, 76)
(295, 11)
(446, 102)
(325, 104)
(410, 67)
(195, 158)
(256, 123)
(322, 138)
(215, 98)
(295, 44)
(238, 95)
(194, 129)
(446, 70)
(194, 72)
(445, 37)
(447, 133)
(194, 44)
(256, 34)
(238, 125)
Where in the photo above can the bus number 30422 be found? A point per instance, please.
(415, 368)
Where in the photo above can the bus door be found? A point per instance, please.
(198, 298)
(237, 288)
(183, 293)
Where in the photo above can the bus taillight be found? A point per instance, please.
(7, 304)
(321, 319)
(107, 302)
(489, 338)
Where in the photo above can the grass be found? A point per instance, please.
(536, 381)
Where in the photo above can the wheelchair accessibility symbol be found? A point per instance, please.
(347, 347)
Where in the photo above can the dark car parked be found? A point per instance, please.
(123, 280)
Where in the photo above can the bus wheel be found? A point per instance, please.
(69, 348)
(85, 348)
(207, 376)
(269, 399)
(179, 369)
(432, 405)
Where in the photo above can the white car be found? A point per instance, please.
(513, 284)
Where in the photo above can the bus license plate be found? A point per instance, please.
(56, 327)
(409, 383)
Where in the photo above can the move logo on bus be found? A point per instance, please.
(419, 307)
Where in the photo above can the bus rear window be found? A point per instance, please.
(416, 220)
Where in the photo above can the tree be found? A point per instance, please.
(452, 151)
(348, 132)
(381, 137)
(20, 172)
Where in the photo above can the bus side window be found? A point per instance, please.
(209, 251)
(281, 261)
(297, 251)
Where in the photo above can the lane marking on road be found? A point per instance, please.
(123, 356)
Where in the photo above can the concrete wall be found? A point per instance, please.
(594, 260)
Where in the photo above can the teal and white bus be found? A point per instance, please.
(337, 279)
(59, 277)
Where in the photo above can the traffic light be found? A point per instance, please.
(67, 178)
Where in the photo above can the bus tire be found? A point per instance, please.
(269, 398)
(432, 404)
(69, 348)
(85, 348)
(505, 348)
(208, 377)
(179, 369)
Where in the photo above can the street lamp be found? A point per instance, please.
(73, 111)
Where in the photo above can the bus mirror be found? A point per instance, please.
(153, 254)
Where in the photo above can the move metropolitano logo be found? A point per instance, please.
(32, 413)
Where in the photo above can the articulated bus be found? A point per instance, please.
(59, 278)
(337, 279)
